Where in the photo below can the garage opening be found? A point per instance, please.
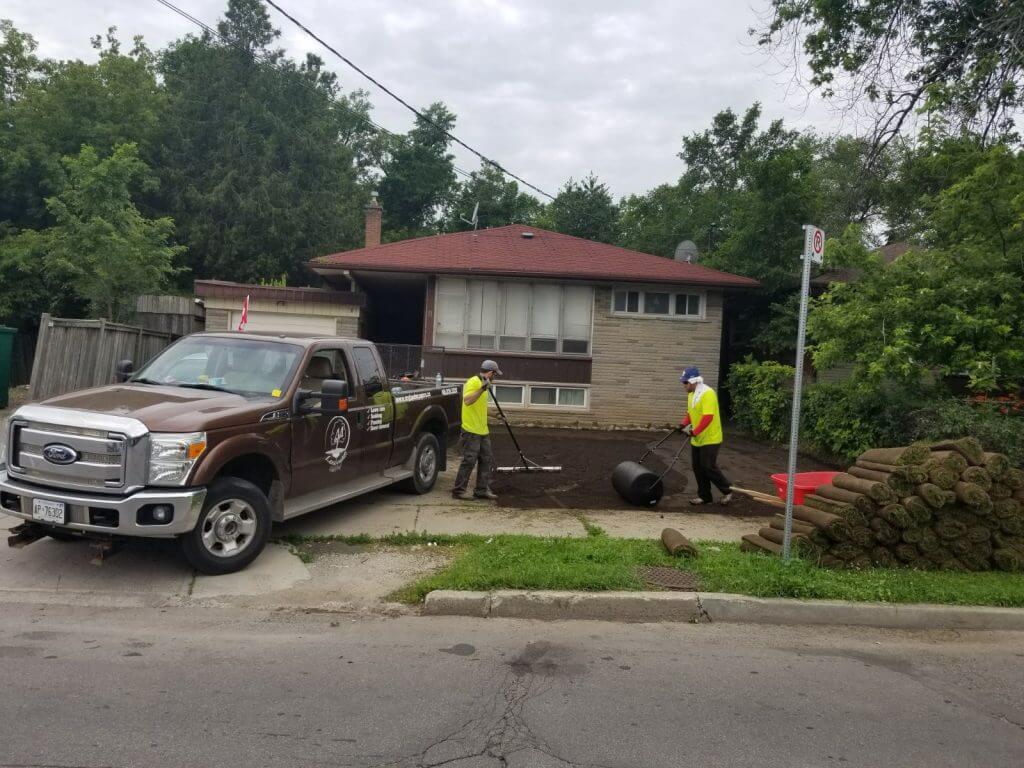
(394, 307)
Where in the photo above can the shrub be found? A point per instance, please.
(952, 417)
(761, 394)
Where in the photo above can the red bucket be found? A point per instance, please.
(806, 482)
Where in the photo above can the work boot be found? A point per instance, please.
(488, 494)
(698, 501)
(724, 501)
(462, 495)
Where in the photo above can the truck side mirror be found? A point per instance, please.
(124, 370)
(334, 396)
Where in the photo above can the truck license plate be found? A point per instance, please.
(49, 511)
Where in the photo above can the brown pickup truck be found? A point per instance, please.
(218, 437)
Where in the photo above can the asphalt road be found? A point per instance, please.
(88, 687)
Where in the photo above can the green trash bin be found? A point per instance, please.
(6, 353)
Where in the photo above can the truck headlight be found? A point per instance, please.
(172, 456)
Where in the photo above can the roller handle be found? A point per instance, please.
(672, 463)
(656, 446)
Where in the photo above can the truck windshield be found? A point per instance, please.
(247, 367)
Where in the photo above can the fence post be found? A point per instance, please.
(38, 362)
(100, 355)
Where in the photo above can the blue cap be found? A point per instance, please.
(689, 373)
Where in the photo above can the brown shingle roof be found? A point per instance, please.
(504, 251)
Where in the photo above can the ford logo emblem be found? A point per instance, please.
(60, 454)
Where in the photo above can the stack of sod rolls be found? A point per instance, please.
(950, 506)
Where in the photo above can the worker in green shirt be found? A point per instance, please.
(704, 426)
(476, 440)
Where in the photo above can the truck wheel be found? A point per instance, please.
(426, 461)
(232, 530)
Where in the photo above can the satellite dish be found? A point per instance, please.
(687, 251)
(476, 218)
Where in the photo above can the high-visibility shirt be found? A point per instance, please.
(707, 406)
(474, 417)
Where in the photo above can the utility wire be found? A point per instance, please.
(365, 118)
(483, 158)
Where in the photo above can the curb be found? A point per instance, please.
(700, 608)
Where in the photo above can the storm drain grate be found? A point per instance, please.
(670, 578)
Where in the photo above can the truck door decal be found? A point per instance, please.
(377, 421)
(336, 442)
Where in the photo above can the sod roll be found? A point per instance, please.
(885, 534)
(846, 551)
(1008, 560)
(677, 544)
(997, 464)
(883, 557)
(968, 447)
(914, 473)
(835, 527)
(970, 494)
(920, 564)
(951, 459)
(933, 496)
(1013, 479)
(862, 536)
(912, 536)
(919, 512)
(868, 474)
(859, 501)
(999, 491)
(905, 552)
(1005, 508)
(895, 515)
(979, 476)
(754, 543)
(949, 530)
(879, 492)
(976, 534)
(814, 501)
(941, 474)
(1012, 525)
(911, 454)
(799, 526)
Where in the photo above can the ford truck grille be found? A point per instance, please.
(68, 457)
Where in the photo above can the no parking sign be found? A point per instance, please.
(814, 244)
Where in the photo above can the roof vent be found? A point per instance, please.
(527, 235)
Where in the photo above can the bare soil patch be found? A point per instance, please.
(588, 457)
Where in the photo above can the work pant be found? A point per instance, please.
(705, 469)
(476, 452)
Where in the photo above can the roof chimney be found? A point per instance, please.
(374, 214)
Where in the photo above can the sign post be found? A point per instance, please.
(814, 249)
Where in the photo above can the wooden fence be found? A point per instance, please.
(179, 315)
(76, 354)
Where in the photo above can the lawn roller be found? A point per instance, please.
(639, 485)
(527, 465)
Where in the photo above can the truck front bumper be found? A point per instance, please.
(110, 515)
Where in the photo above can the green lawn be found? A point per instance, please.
(599, 562)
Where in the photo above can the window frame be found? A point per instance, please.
(674, 295)
(526, 403)
(501, 287)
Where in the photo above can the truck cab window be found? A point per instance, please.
(325, 364)
(366, 365)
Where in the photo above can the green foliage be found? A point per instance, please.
(955, 307)
(762, 397)
(583, 209)
(499, 199)
(99, 243)
(950, 418)
(960, 62)
(419, 176)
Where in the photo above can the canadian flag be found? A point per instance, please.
(245, 314)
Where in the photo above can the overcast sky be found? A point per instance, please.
(551, 89)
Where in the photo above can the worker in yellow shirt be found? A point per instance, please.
(476, 439)
(704, 426)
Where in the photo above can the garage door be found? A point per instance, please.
(286, 323)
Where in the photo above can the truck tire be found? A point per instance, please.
(232, 529)
(426, 461)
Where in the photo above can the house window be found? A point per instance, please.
(543, 395)
(513, 317)
(509, 394)
(575, 397)
(658, 304)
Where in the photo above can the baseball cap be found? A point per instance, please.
(690, 373)
(490, 365)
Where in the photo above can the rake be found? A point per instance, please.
(527, 464)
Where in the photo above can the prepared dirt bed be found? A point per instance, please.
(587, 458)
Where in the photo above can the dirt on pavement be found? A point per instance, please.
(588, 457)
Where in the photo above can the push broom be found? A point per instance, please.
(527, 465)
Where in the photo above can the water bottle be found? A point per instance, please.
(438, 379)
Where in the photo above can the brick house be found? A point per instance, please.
(586, 333)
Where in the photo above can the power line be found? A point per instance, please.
(403, 102)
(365, 118)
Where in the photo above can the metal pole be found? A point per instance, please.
(798, 383)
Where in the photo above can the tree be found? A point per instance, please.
(100, 246)
(584, 209)
(419, 175)
(497, 200)
(262, 158)
(954, 305)
(961, 61)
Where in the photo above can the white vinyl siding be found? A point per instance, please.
(513, 317)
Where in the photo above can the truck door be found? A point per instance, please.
(326, 449)
(376, 409)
